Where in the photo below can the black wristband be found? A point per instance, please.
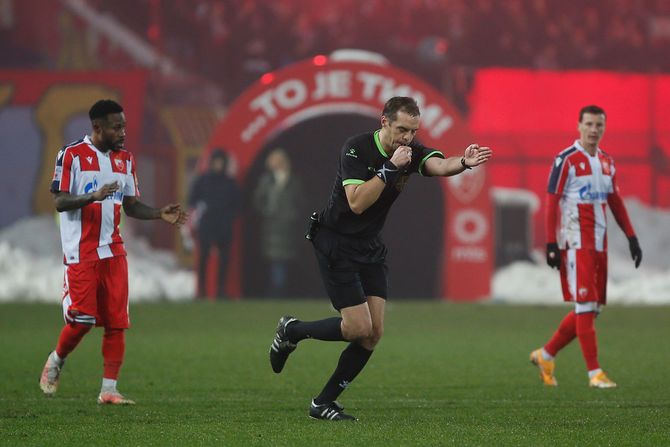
(388, 172)
(463, 163)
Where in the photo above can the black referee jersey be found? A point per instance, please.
(360, 157)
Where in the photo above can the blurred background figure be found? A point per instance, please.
(215, 201)
(277, 200)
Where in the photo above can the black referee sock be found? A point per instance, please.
(329, 329)
(352, 361)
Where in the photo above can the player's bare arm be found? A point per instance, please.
(473, 156)
(172, 213)
(363, 196)
(67, 202)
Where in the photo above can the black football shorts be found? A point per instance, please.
(351, 269)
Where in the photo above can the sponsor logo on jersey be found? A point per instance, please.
(92, 186)
(586, 194)
(351, 153)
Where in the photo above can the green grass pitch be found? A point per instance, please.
(444, 374)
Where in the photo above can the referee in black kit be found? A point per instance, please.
(372, 171)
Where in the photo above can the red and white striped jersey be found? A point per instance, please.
(92, 232)
(583, 184)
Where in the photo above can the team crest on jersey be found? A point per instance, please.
(582, 166)
(119, 164)
(352, 153)
(583, 291)
(90, 159)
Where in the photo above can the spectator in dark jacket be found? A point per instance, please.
(215, 199)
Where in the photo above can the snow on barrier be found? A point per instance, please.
(537, 283)
(31, 267)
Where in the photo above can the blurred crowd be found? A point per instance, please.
(232, 42)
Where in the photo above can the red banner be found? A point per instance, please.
(529, 116)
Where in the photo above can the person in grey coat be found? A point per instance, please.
(277, 200)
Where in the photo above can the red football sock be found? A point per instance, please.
(586, 332)
(113, 348)
(565, 333)
(70, 337)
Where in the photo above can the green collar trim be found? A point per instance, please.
(379, 145)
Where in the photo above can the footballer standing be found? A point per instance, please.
(94, 177)
(582, 183)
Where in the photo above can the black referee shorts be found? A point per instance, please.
(351, 269)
